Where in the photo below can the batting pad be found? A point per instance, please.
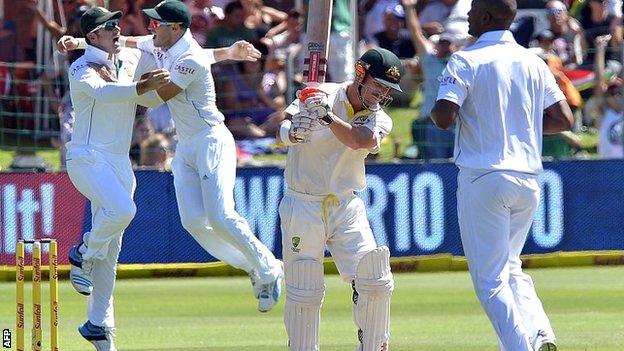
(305, 290)
(373, 286)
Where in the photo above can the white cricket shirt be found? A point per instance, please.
(502, 90)
(194, 109)
(104, 111)
(324, 165)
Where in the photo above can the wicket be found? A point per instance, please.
(36, 293)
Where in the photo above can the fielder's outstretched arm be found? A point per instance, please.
(239, 51)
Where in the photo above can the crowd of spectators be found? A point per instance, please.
(579, 40)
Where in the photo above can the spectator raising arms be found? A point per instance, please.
(608, 104)
(596, 21)
(431, 142)
(261, 18)
(290, 34)
(434, 14)
(569, 39)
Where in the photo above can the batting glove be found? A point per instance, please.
(314, 100)
(317, 105)
(301, 127)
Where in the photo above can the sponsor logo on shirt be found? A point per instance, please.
(447, 80)
(77, 68)
(184, 70)
(160, 56)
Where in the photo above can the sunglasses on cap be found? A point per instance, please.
(109, 26)
(155, 23)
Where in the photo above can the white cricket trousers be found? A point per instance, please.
(495, 211)
(204, 174)
(107, 180)
(309, 223)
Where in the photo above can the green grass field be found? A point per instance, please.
(430, 311)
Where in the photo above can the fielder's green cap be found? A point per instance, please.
(384, 66)
(95, 16)
(172, 11)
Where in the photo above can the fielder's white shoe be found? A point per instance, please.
(100, 337)
(80, 272)
(384, 347)
(255, 286)
(544, 342)
(269, 294)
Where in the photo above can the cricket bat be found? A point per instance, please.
(317, 33)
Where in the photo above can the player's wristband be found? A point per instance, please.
(141, 42)
(82, 44)
(327, 119)
(150, 99)
(210, 56)
(284, 132)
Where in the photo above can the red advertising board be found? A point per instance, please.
(35, 206)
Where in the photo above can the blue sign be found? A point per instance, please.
(411, 209)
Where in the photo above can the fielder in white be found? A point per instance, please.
(504, 99)
(204, 166)
(98, 163)
(337, 126)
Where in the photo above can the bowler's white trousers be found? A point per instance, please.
(204, 174)
(495, 211)
(107, 180)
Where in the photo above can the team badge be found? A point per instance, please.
(361, 120)
(393, 73)
(295, 243)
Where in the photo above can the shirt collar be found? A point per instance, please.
(342, 92)
(99, 56)
(181, 45)
(498, 36)
(342, 96)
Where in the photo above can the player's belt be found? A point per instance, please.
(317, 198)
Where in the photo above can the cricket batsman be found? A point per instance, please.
(330, 130)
